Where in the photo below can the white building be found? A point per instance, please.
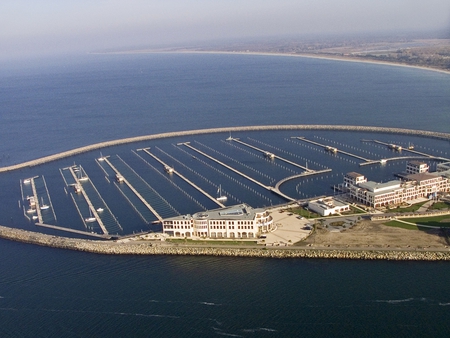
(396, 192)
(328, 206)
(238, 221)
(353, 178)
(417, 167)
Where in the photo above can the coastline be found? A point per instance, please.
(302, 55)
(156, 248)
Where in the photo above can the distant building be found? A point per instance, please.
(443, 166)
(328, 206)
(353, 178)
(396, 192)
(238, 221)
(417, 167)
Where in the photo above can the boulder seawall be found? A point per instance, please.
(156, 248)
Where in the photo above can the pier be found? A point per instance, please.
(269, 154)
(79, 232)
(332, 149)
(269, 188)
(121, 178)
(400, 149)
(36, 200)
(401, 158)
(172, 170)
(88, 201)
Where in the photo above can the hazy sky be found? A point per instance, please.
(32, 27)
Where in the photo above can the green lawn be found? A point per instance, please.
(437, 221)
(438, 206)
(303, 212)
(411, 208)
(402, 225)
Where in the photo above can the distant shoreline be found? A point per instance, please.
(303, 55)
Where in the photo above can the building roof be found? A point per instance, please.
(376, 187)
(354, 174)
(328, 203)
(235, 212)
(420, 177)
(416, 162)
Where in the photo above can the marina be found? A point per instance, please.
(169, 177)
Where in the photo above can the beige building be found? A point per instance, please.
(238, 221)
(396, 192)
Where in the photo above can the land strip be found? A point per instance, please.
(158, 248)
(96, 146)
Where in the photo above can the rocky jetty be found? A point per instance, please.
(96, 146)
(157, 248)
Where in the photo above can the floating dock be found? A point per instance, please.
(269, 154)
(92, 209)
(121, 178)
(331, 149)
(171, 170)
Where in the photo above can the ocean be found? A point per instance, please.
(55, 105)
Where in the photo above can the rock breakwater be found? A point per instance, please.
(96, 146)
(156, 248)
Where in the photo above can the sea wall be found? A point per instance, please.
(156, 248)
(96, 146)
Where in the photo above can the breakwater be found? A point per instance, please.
(96, 146)
(157, 248)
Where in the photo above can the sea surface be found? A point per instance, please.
(53, 105)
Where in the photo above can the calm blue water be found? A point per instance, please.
(57, 105)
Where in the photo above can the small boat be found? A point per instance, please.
(91, 218)
(35, 217)
(27, 181)
(44, 206)
(221, 198)
(99, 209)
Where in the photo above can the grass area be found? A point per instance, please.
(337, 224)
(210, 242)
(411, 208)
(303, 212)
(356, 210)
(437, 221)
(402, 225)
(438, 206)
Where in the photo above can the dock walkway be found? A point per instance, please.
(330, 147)
(88, 201)
(270, 154)
(141, 198)
(184, 178)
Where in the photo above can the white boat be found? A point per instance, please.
(221, 198)
(44, 206)
(80, 175)
(27, 181)
(91, 218)
(99, 209)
